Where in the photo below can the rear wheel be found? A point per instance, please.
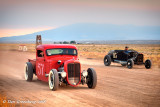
(107, 60)
(28, 71)
(130, 63)
(91, 78)
(148, 64)
(53, 79)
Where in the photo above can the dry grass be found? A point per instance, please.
(99, 51)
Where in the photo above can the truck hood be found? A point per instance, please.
(53, 61)
(62, 58)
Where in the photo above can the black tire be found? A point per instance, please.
(91, 78)
(130, 63)
(107, 60)
(53, 80)
(148, 64)
(28, 71)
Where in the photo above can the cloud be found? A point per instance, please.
(22, 31)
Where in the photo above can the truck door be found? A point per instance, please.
(40, 65)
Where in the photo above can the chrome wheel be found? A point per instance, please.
(26, 72)
(53, 79)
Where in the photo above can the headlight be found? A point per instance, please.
(84, 73)
(59, 61)
(63, 74)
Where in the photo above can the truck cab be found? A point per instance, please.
(53, 57)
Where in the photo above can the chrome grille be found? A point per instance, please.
(73, 73)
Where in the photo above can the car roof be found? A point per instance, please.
(52, 46)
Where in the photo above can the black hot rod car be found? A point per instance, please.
(126, 58)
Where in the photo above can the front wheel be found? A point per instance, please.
(107, 60)
(130, 63)
(148, 64)
(91, 78)
(53, 80)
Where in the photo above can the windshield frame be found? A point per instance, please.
(62, 53)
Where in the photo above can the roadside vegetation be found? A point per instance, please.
(93, 51)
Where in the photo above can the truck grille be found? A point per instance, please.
(73, 73)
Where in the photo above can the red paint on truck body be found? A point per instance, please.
(43, 65)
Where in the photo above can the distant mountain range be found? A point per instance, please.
(91, 32)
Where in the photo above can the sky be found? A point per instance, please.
(18, 17)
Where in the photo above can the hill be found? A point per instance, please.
(91, 31)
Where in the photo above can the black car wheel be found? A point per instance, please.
(148, 64)
(130, 63)
(91, 78)
(28, 71)
(53, 80)
(107, 60)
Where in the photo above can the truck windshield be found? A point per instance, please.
(61, 51)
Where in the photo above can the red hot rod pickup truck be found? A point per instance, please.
(57, 64)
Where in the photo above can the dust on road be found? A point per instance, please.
(116, 86)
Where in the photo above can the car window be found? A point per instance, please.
(61, 51)
(40, 53)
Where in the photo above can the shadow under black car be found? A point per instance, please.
(134, 67)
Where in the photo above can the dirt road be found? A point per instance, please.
(117, 85)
